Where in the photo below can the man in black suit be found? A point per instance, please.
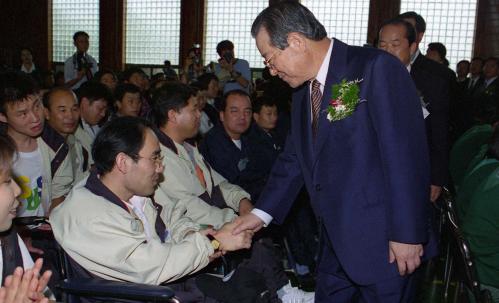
(462, 71)
(476, 79)
(418, 60)
(398, 37)
(490, 83)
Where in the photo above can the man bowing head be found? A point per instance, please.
(358, 144)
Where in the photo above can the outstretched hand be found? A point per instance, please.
(247, 222)
(408, 256)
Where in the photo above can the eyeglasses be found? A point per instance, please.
(157, 159)
(268, 62)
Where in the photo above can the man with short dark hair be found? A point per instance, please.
(462, 71)
(490, 73)
(80, 67)
(137, 77)
(121, 234)
(21, 109)
(397, 37)
(418, 61)
(201, 193)
(127, 100)
(358, 143)
(437, 51)
(476, 77)
(233, 73)
(195, 184)
(208, 87)
(266, 143)
(94, 99)
(226, 145)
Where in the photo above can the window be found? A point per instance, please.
(152, 31)
(451, 22)
(344, 20)
(232, 20)
(68, 17)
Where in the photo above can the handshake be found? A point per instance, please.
(228, 241)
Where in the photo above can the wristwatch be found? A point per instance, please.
(214, 242)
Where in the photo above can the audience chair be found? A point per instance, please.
(459, 263)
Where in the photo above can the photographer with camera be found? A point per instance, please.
(80, 67)
(192, 66)
(233, 73)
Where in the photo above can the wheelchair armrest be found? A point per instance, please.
(116, 289)
(32, 220)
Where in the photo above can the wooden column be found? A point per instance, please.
(111, 34)
(486, 42)
(379, 12)
(191, 26)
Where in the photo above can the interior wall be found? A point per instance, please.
(25, 23)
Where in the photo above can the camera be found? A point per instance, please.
(228, 56)
(82, 62)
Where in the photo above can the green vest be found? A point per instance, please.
(481, 228)
(465, 148)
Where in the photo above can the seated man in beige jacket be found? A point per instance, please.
(110, 227)
(198, 192)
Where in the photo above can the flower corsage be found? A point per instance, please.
(344, 100)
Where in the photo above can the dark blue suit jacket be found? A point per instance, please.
(368, 175)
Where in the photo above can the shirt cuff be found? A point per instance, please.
(266, 218)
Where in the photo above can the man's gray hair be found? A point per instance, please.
(286, 17)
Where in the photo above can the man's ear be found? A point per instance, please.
(221, 115)
(3, 118)
(413, 48)
(84, 101)
(256, 116)
(172, 115)
(296, 40)
(46, 113)
(419, 38)
(121, 162)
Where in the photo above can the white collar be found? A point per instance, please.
(28, 71)
(414, 56)
(322, 74)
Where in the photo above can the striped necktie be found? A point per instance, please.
(316, 105)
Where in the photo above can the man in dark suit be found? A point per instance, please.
(476, 78)
(490, 83)
(397, 37)
(367, 173)
(462, 70)
(420, 63)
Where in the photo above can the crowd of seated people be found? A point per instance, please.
(112, 158)
(111, 148)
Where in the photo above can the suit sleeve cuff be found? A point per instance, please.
(266, 218)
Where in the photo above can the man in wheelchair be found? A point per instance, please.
(110, 227)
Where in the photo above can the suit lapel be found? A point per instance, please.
(302, 127)
(336, 72)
